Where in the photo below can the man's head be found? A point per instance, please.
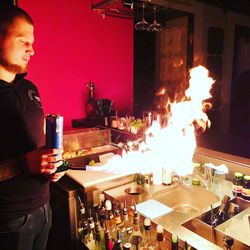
(16, 39)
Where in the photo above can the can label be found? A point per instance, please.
(54, 131)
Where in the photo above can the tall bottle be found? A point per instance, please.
(101, 211)
(221, 215)
(174, 242)
(109, 216)
(126, 229)
(83, 229)
(99, 236)
(160, 240)
(108, 240)
(136, 236)
(118, 242)
(91, 240)
(90, 105)
(147, 237)
(117, 222)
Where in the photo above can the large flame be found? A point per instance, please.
(173, 146)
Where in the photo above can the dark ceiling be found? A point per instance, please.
(238, 6)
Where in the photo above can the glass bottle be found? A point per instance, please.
(160, 240)
(136, 237)
(90, 239)
(90, 105)
(174, 242)
(118, 242)
(147, 237)
(108, 240)
(126, 229)
(99, 236)
(101, 211)
(109, 216)
(221, 215)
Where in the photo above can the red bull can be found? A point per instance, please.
(54, 131)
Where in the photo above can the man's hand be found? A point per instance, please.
(44, 161)
(56, 176)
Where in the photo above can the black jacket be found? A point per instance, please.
(21, 130)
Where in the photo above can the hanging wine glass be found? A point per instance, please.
(143, 24)
(154, 26)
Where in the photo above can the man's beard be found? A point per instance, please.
(13, 68)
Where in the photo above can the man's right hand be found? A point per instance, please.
(44, 161)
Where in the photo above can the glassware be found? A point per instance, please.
(155, 26)
(143, 24)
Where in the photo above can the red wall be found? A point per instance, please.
(74, 45)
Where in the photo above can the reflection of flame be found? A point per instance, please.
(173, 146)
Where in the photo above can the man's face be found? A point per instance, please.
(16, 47)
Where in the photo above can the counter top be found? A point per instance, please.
(173, 222)
(91, 178)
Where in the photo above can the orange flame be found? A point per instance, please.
(173, 146)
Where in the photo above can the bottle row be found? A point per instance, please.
(112, 225)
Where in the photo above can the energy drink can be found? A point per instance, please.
(54, 131)
(54, 136)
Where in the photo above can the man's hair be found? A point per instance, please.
(8, 15)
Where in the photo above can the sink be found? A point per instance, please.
(185, 201)
(201, 225)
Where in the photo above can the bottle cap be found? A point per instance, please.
(147, 224)
(174, 238)
(108, 205)
(247, 177)
(101, 197)
(159, 229)
(127, 245)
(238, 174)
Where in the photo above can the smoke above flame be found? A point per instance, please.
(171, 147)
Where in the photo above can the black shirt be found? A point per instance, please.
(21, 130)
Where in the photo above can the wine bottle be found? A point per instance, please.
(136, 236)
(118, 242)
(101, 211)
(99, 236)
(174, 242)
(109, 216)
(90, 105)
(220, 216)
(126, 229)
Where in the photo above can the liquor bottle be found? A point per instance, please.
(220, 216)
(147, 237)
(83, 229)
(101, 211)
(160, 240)
(109, 216)
(174, 242)
(118, 242)
(126, 229)
(90, 105)
(99, 236)
(117, 221)
(136, 237)
(108, 239)
(90, 239)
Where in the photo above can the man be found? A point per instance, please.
(26, 167)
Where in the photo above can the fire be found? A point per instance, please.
(173, 146)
